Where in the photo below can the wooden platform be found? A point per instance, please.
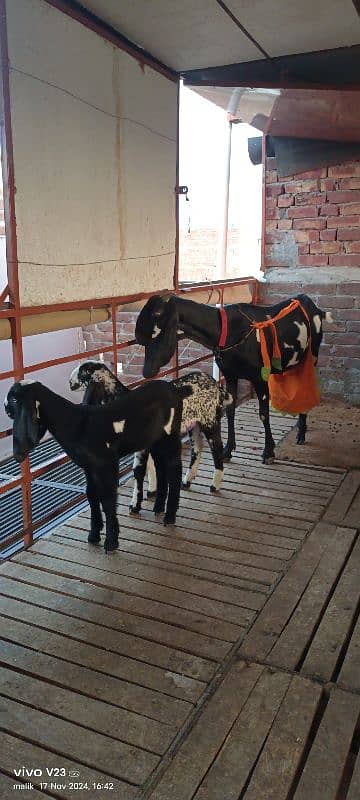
(218, 659)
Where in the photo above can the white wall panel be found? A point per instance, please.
(94, 138)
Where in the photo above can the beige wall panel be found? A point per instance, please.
(95, 162)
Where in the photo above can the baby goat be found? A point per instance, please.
(95, 438)
(202, 412)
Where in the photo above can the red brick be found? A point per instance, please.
(339, 301)
(329, 210)
(350, 288)
(343, 197)
(352, 362)
(302, 212)
(307, 224)
(303, 249)
(306, 236)
(270, 163)
(271, 225)
(350, 208)
(352, 247)
(350, 183)
(318, 289)
(270, 202)
(271, 176)
(321, 172)
(354, 326)
(273, 238)
(325, 247)
(285, 201)
(346, 338)
(348, 351)
(328, 235)
(349, 314)
(274, 190)
(272, 213)
(309, 199)
(295, 187)
(284, 224)
(344, 261)
(343, 222)
(348, 234)
(327, 185)
(344, 170)
(313, 261)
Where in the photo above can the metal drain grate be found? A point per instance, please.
(54, 489)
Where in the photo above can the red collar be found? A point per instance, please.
(224, 327)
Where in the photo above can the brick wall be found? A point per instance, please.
(312, 244)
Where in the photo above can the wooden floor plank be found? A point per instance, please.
(349, 676)
(352, 519)
(326, 646)
(165, 557)
(229, 772)
(339, 505)
(324, 767)
(271, 621)
(142, 732)
(191, 762)
(92, 749)
(275, 770)
(90, 683)
(296, 635)
(94, 602)
(141, 699)
(224, 602)
(93, 654)
(150, 603)
(354, 788)
(8, 791)
(101, 635)
(15, 753)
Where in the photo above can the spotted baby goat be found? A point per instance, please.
(95, 438)
(202, 412)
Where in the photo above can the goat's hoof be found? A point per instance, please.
(185, 485)
(94, 537)
(151, 495)
(134, 512)
(268, 459)
(159, 513)
(214, 490)
(169, 520)
(300, 439)
(110, 545)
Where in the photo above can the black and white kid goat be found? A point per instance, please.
(202, 412)
(96, 437)
(230, 334)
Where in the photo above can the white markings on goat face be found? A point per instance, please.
(37, 403)
(303, 335)
(119, 426)
(168, 426)
(293, 360)
(317, 323)
(107, 444)
(104, 376)
(155, 332)
(257, 334)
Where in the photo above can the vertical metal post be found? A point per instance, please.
(11, 253)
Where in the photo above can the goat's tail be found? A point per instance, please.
(327, 316)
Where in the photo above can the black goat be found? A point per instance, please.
(95, 439)
(202, 412)
(235, 344)
(102, 387)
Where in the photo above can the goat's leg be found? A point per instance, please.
(196, 443)
(139, 469)
(301, 429)
(262, 391)
(108, 485)
(162, 481)
(151, 476)
(96, 524)
(231, 386)
(174, 470)
(216, 446)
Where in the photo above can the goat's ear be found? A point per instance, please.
(26, 430)
(169, 314)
